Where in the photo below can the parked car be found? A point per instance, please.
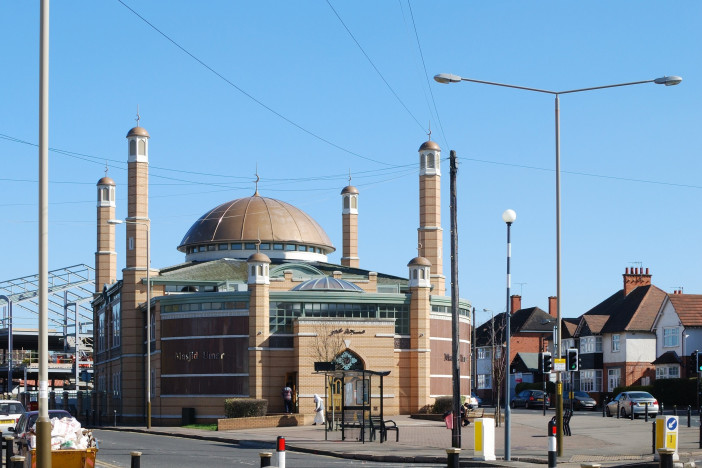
(635, 401)
(27, 420)
(581, 401)
(530, 399)
(10, 412)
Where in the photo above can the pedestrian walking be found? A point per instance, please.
(318, 410)
(287, 399)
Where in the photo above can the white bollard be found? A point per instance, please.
(484, 439)
(281, 451)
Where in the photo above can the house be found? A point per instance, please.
(529, 328)
(616, 338)
(678, 330)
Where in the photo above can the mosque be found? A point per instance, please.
(255, 304)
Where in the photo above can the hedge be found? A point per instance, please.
(245, 407)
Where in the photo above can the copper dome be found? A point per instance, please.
(430, 145)
(256, 218)
(349, 189)
(138, 131)
(106, 181)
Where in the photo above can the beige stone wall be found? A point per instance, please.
(430, 235)
(350, 240)
(371, 341)
(105, 256)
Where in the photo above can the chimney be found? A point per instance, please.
(515, 304)
(553, 306)
(635, 277)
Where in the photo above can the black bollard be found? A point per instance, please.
(662, 409)
(452, 455)
(646, 412)
(689, 415)
(631, 407)
(115, 424)
(9, 452)
(604, 407)
(666, 457)
(552, 449)
(617, 410)
(136, 459)
(17, 461)
(700, 435)
(265, 458)
(653, 437)
(675, 410)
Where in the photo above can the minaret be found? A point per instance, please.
(349, 225)
(430, 234)
(105, 256)
(420, 347)
(134, 290)
(259, 292)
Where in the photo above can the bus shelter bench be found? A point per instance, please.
(383, 426)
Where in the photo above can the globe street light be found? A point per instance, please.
(665, 80)
(148, 311)
(509, 216)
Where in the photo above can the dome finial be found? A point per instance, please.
(429, 134)
(349, 176)
(258, 240)
(256, 182)
(138, 118)
(106, 168)
(419, 248)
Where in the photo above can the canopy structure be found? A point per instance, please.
(352, 401)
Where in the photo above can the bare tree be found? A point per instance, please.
(499, 371)
(328, 341)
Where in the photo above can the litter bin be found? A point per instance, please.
(188, 417)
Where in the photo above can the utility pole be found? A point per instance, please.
(456, 431)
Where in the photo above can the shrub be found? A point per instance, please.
(244, 407)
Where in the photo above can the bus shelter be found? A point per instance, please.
(354, 402)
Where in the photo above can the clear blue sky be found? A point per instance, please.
(295, 95)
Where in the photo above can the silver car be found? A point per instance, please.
(634, 401)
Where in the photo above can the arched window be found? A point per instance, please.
(253, 270)
(430, 161)
(132, 148)
(142, 147)
(421, 273)
(348, 360)
(354, 203)
(422, 164)
(414, 274)
(346, 203)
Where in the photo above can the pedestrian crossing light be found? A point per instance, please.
(572, 361)
(546, 363)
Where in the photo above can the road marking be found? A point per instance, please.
(106, 465)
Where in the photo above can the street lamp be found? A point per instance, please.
(509, 216)
(665, 80)
(148, 311)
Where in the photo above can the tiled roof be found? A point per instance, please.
(634, 312)
(637, 312)
(593, 323)
(669, 357)
(688, 307)
(569, 326)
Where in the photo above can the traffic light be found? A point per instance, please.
(572, 362)
(546, 363)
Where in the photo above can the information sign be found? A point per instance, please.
(559, 365)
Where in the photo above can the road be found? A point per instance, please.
(170, 452)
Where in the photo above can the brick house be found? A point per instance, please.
(530, 329)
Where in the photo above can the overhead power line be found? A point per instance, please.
(251, 97)
(374, 67)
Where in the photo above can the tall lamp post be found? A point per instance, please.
(667, 81)
(509, 216)
(148, 311)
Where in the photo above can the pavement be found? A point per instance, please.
(595, 440)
